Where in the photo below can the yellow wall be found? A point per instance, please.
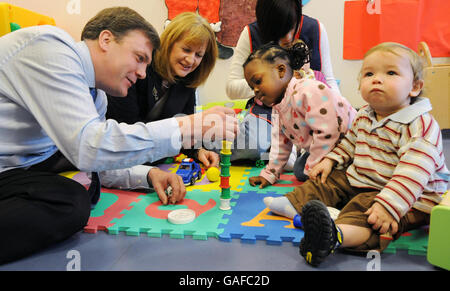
(20, 17)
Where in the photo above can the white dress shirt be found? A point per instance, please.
(45, 105)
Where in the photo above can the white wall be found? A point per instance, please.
(329, 12)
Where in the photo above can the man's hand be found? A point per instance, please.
(258, 180)
(323, 168)
(161, 180)
(216, 123)
(208, 158)
(381, 219)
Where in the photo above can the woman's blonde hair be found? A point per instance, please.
(393, 47)
(195, 30)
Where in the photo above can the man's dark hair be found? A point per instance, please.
(119, 21)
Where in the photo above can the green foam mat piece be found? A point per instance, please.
(148, 216)
(414, 241)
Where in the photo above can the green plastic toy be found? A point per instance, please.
(439, 240)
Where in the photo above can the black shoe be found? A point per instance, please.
(322, 236)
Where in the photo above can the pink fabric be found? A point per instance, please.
(310, 116)
(321, 77)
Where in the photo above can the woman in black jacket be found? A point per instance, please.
(184, 61)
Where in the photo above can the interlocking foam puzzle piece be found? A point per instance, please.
(285, 184)
(78, 176)
(148, 216)
(251, 221)
(415, 241)
(110, 206)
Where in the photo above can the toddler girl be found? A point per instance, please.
(305, 113)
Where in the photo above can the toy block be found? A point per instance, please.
(13, 18)
(439, 240)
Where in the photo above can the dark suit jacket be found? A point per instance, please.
(141, 99)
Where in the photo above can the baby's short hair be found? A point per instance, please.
(392, 47)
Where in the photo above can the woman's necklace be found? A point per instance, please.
(164, 87)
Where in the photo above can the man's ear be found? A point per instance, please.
(104, 39)
(417, 88)
(281, 68)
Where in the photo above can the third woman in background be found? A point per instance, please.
(280, 21)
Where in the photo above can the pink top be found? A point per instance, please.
(310, 116)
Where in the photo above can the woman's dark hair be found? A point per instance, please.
(297, 55)
(276, 18)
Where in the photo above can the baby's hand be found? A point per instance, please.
(258, 180)
(381, 219)
(323, 168)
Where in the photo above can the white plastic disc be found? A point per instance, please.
(181, 216)
(225, 204)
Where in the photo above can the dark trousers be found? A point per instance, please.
(39, 208)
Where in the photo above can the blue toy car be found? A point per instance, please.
(189, 171)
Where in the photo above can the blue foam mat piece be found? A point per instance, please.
(249, 207)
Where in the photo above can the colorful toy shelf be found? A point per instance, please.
(13, 18)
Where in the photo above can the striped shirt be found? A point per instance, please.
(401, 156)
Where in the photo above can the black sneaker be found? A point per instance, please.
(322, 236)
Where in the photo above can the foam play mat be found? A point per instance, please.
(142, 214)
